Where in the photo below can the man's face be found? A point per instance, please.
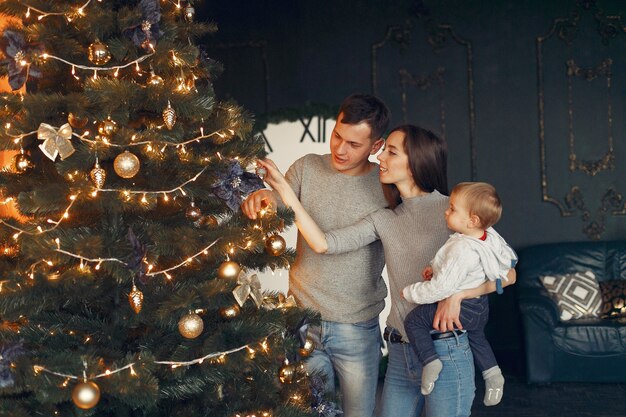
(350, 146)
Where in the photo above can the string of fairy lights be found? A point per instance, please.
(80, 11)
(172, 364)
(150, 144)
(167, 272)
(40, 230)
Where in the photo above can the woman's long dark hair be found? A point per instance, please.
(428, 162)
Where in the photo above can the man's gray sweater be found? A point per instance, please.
(348, 287)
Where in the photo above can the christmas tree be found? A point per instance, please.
(127, 284)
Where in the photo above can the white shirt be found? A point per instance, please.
(463, 262)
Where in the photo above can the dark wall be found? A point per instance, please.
(471, 71)
(529, 95)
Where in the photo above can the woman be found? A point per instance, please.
(412, 229)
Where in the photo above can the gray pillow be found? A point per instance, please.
(577, 294)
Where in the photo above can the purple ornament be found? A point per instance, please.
(17, 50)
(234, 183)
(147, 31)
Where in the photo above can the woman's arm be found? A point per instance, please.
(448, 310)
(306, 225)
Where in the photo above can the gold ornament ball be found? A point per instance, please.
(126, 165)
(98, 175)
(107, 127)
(21, 163)
(77, 122)
(193, 213)
(228, 269)
(230, 312)
(155, 79)
(308, 348)
(135, 298)
(286, 373)
(98, 53)
(86, 395)
(275, 245)
(190, 326)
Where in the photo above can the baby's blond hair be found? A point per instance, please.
(482, 200)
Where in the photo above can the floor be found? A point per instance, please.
(554, 400)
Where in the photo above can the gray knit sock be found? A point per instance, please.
(494, 386)
(430, 373)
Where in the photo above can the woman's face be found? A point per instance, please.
(394, 162)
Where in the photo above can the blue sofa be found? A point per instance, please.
(590, 350)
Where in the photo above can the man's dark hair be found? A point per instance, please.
(359, 108)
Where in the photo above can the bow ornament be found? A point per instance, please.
(56, 142)
(249, 286)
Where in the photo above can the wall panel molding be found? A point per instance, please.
(566, 31)
(440, 37)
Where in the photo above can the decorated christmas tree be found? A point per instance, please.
(127, 283)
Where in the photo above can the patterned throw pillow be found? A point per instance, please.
(613, 299)
(577, 295)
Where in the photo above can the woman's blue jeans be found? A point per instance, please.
(454, 390)
(351, 352)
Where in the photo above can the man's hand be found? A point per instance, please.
(447, 314)
(427, 273)
(256, 201)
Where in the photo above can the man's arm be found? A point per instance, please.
(270, 199)
(258, 200)
(448, 310)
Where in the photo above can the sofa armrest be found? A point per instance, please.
(537, 304)
(539, 317)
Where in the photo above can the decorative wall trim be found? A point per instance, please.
(607, 161)
(423, 83)
(566, 30)
(438, 37)
(611, 202)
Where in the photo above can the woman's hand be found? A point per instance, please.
(307, 226)
(447, 314)
(273, 176)
(278, 182)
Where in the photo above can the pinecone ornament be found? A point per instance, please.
(169, 116)
(135, 298)
(98, 175)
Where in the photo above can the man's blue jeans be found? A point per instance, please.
(454, 390)
(351, 352)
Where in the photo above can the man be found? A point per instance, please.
(347, 289)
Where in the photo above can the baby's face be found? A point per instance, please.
(457, 214)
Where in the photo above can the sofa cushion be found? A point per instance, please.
(613, 299)
(599, 338)
(577, 294)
